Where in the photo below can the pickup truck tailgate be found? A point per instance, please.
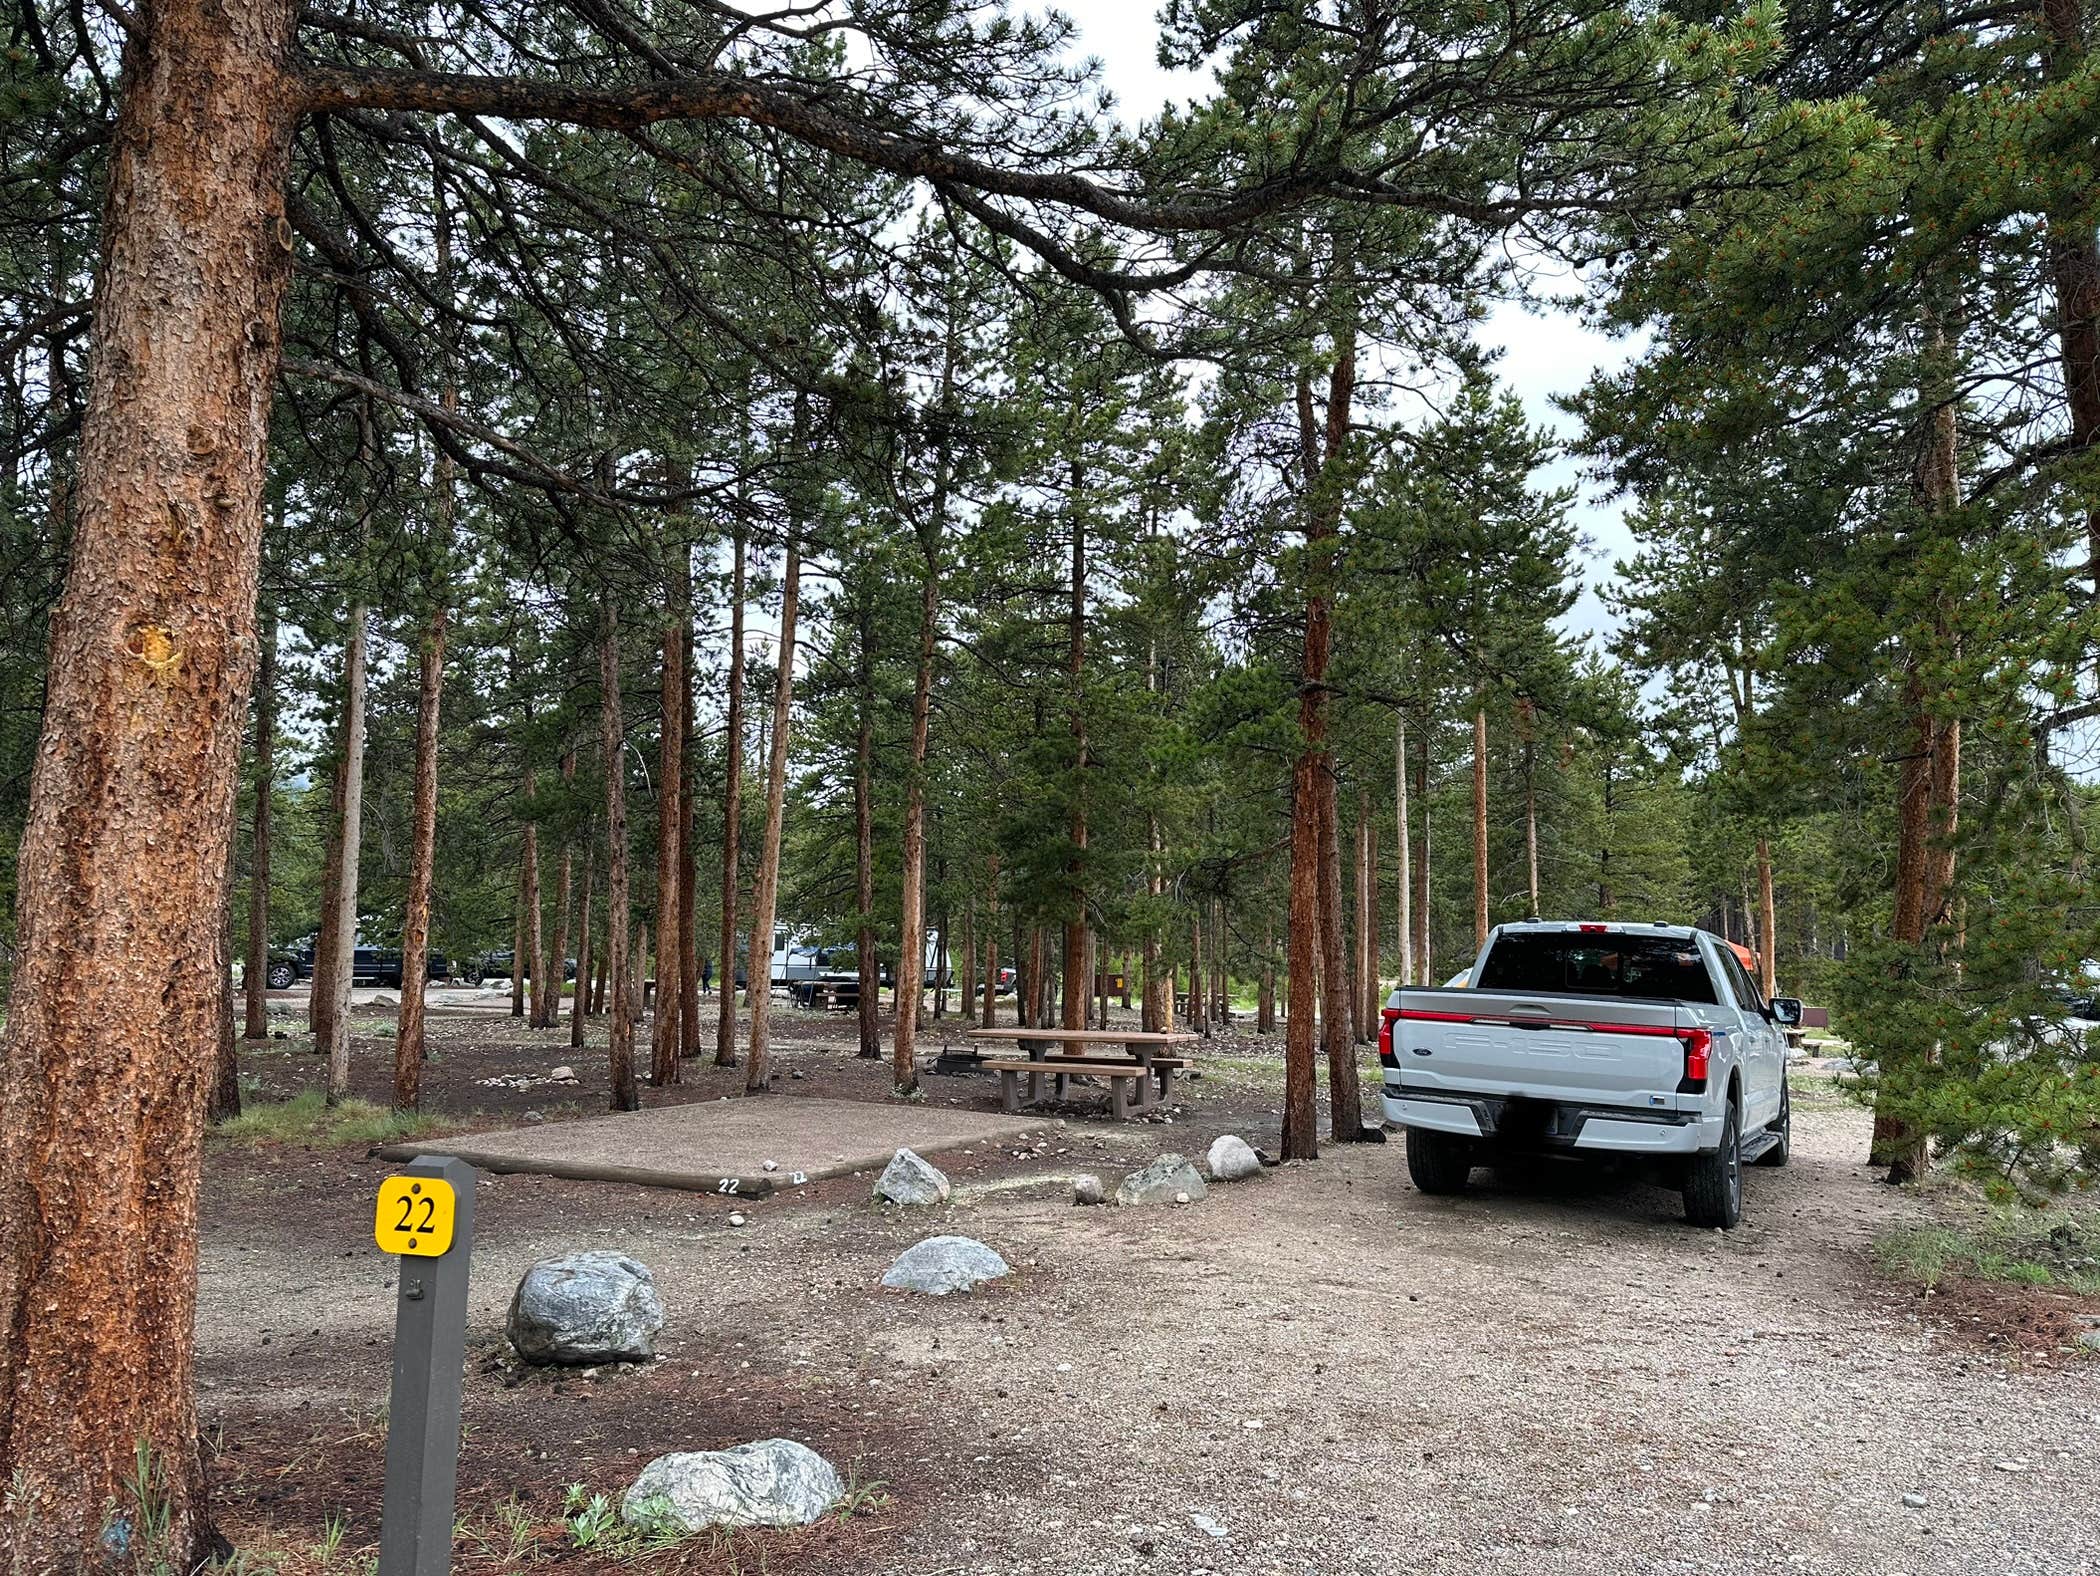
(1606, 1049)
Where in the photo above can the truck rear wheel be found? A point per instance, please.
(1713, 1182)
(1439, 1163)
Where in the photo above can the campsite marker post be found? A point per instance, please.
(425, 1216)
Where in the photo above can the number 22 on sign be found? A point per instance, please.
(414, 1216)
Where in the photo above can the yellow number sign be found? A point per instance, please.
(414, 1216)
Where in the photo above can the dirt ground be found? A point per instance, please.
(1320, 1370)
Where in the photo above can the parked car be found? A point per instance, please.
(1642, 1041)
(369, 964)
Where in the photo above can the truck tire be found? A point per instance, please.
(1713, 1183)
(280, 976)
(1439, 1163)
(1782, 1130)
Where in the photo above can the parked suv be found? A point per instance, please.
(369, 965)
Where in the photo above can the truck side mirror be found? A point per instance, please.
(1787, 1010)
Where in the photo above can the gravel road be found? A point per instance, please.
(1319, 1370)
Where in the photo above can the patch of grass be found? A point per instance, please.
(307, 1118)
(2059, 1250)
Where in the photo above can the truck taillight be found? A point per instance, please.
(1386, 1020)
(1697, 1042)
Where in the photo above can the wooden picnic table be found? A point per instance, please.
(1141, 1063)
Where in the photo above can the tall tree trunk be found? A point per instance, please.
(344, 938)
(612, 743)
(991, 944)
(532, 960)
(766, 892)
(1528, 713)
(967, 972)
(1345, 1099)
(1366, 917)
(1301, 1139)
(688, 846)
(732, 808)
(518, 954)
(422, 864)
(225, 1102)
(867, 964)
(257, 983)
(1928, 781)
(670, 817)
(1199, 1009)
(320, 994)
(1078, 981)
(558, 957)
(115, 1011)
(1425, 959)
(1265, 1003)
(579, 1009)
(911, 936)
(1403, 881)
(1480, 826)
(1767, 919)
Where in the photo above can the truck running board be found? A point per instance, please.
(1755, 1144)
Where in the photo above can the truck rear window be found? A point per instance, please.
(1646, 968)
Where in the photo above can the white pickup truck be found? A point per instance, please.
(1594, 1039)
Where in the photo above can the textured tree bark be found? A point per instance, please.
(1345, 1101)
(114, 1019)
(991, 944)
(911, 934)
(1199, 1009)
(1928, 780)
(670, 816)
(1528, 713)
(532, 958)
(732, 808)
(422, 861)
(320, 995)
(869, 966)
(558, 958)
(1265, 1002)
(1403, 877)
(257, 984)
(1366, 918)
(579, 1009)
(1078, 979)
(1301, 1139)
(343, 939)
(518, 954)
(612, 742)
(225, 1102)
(1425, 970)
(688, 820)
(1480, 826)
(1767, 919)
(967, 970)
(766, 891)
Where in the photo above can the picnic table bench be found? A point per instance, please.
(1049, 1055)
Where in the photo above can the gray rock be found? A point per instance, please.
(563, 1075)
(1915, 1501)
(941, 1265)
(772, 1483)
(2090, 1340)
(1158, 1182)
(591, 1306)
(1087, 1189)
(908, 1179)
(1232, 1158)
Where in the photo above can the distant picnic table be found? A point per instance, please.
(1049, 1055)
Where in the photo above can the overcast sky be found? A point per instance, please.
(1543, 354)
